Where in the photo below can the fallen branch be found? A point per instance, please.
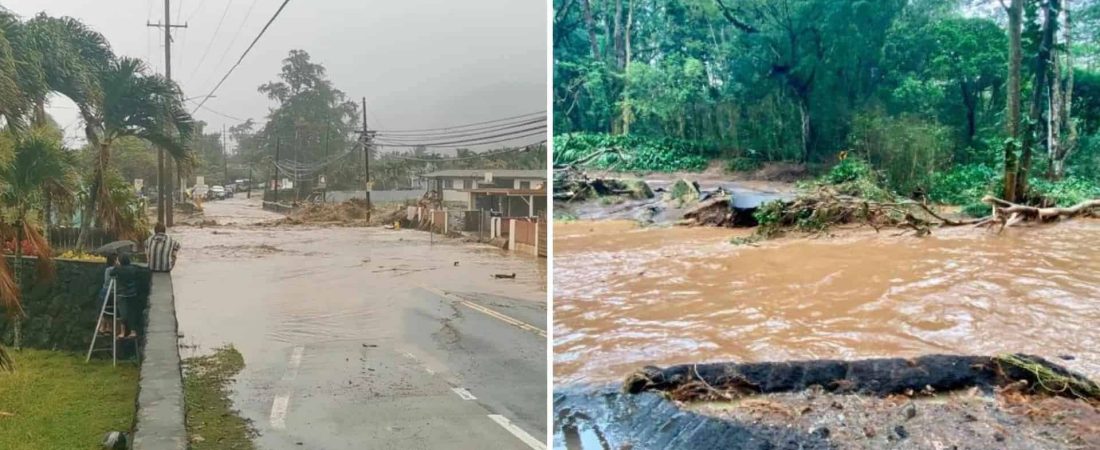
(1017, 213)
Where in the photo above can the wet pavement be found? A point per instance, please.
(366, 337)
(627, 296)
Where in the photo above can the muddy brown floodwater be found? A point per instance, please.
(626, 296)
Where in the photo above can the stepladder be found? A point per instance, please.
(107, 323)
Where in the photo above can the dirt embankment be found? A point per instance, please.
(1015, 402)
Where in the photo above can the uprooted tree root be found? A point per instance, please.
(1007, 214)
(878, 377)
(826, 206)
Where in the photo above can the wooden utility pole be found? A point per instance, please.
(225, 159)
(164, 183)
(366, 138)
(275, 163)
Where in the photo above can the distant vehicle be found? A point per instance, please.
(230, 190)
(216, 193)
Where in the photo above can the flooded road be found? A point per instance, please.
(355, 335)
(625, 297)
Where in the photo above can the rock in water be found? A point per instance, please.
(684, 191)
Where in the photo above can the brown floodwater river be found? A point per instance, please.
(625, 296)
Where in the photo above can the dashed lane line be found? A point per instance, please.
(517, 432)
(463, 393)
(281, 405)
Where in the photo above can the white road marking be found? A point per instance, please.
(295, 363)
(464, 393)
(518, 432)
(281, 404)
(491, 313)
(429, 370)
(278, 412)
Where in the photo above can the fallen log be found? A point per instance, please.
(1017, 213)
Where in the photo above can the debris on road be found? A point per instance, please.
(504, 276)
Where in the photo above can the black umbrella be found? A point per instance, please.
(115, 248)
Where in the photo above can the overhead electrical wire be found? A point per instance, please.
(227, 116)
(471, 141)
(243, 55)
(464, 133)
(477, 156)
(456, 127)
(213, 38)
(236, 35)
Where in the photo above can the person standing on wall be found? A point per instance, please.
(160, 250)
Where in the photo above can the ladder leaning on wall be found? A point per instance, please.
(110, 299)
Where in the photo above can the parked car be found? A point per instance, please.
(217, 193)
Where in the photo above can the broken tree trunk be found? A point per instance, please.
(1008, 213)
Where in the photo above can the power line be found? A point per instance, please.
(468, 143)
(464, 158)
(243, 55)
(229, 47)
(464, 132)
(465, 125)
(195, 11)
(227, 116)
(213, 38)
(473, 141)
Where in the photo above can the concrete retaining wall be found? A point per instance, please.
(159, 424)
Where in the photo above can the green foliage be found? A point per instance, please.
(964, 184)
(855, 177)
(1066, 192)
(907, 149)
(632, 153)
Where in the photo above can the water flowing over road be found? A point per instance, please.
(625, 296)
(365, 337)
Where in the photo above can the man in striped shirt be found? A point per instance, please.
(160, 250)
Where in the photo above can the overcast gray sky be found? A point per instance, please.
(419, 63)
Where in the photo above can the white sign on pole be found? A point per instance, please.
(200, 181)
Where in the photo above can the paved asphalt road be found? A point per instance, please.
(360, 338)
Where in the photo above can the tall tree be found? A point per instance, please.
(134, 104)
(1015, 12)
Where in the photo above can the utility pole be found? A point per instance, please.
(164, 184)
(366, 138)
(276, 164)
(324, 191)
(250, 180)
(225, 159)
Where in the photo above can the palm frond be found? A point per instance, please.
(9, 291)
(6, 363)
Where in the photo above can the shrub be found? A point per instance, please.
(1066, 192)
(964, 184)
(633, 153)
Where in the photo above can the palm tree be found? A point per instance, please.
(71, 57)
(39, 167)
(134, 103)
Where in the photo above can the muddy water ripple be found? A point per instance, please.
(626, 297)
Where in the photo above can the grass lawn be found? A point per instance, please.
(53, 400)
